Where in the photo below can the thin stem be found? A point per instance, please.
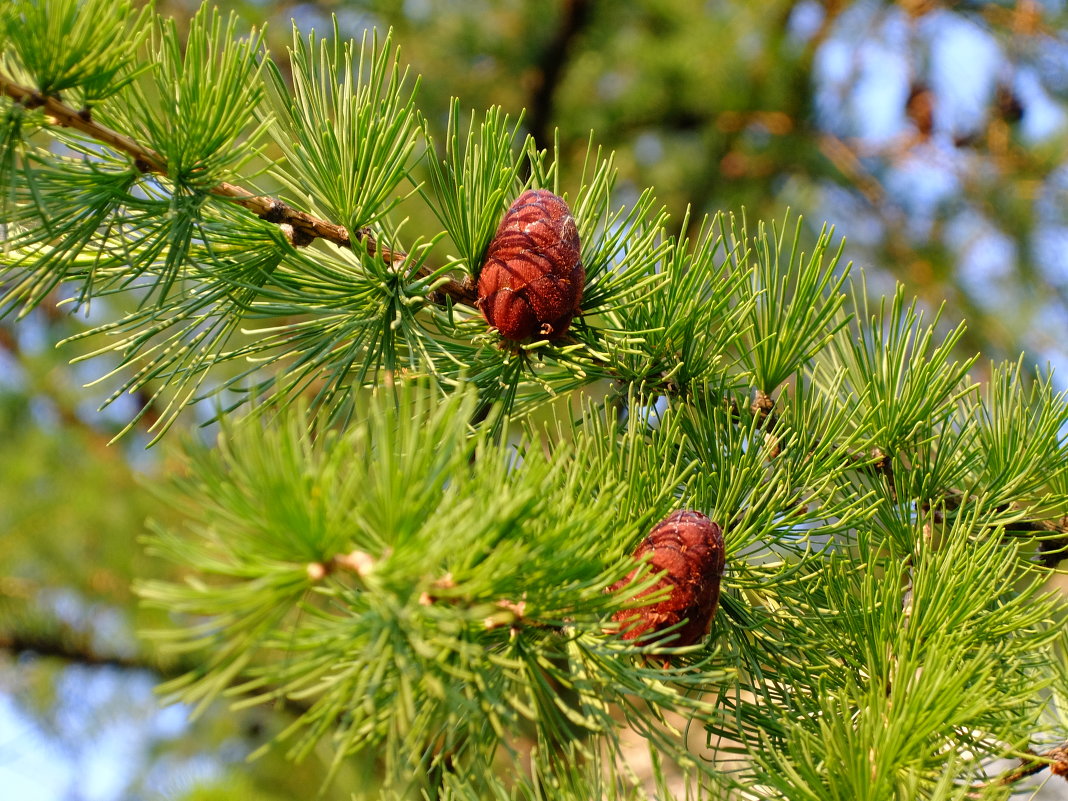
(18, 643)
(75, 649)
(1056, 759)
(884, 465)
(303, 228)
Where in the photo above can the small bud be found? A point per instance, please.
(531, 282)
(688, 548)
(359, 562)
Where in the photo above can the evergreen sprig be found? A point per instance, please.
(1020, 431)
(80, 199)
(346, 126)
(89, 46)
(168, 354)
(794, 295)
(474, 181)
(621, 247)
(891, 712)
(690, 325)
(202, 101)
(436, 563)
(898, 382)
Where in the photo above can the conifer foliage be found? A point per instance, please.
(418, 531)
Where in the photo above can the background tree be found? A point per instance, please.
(923, 490)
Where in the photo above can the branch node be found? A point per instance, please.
(512, 618)
(763, 404)
(298, 237)
(1056, 759)
(366, 236)
(277, 212)
(359, 562)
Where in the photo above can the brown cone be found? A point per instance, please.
(689, 547)
(531, 282)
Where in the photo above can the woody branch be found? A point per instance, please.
(305, 227)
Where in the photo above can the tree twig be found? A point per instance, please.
(884, 465)
(75, 649)
(20, 643)
(1056, 759)
(305, 227)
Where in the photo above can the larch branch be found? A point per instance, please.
(75, 650)
(305, 227)
(1056, 759)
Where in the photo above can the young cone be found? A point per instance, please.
(688, 548)
(531, 282)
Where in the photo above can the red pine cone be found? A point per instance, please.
(689, 547)
(531, 282)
